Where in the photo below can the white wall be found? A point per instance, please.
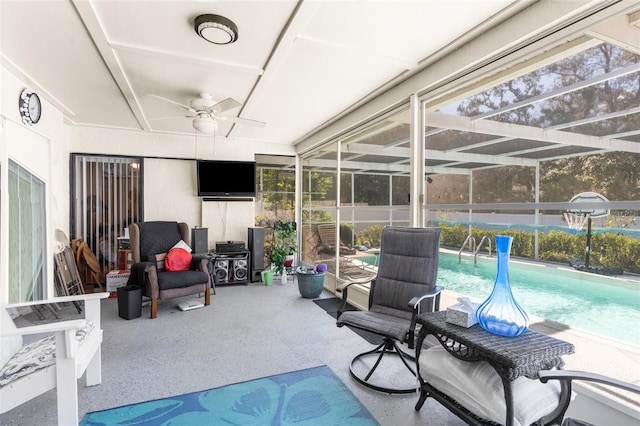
(41, 149)
(170, 175)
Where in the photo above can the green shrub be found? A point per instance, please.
(371, 234)
(346, 233)
(607, 249)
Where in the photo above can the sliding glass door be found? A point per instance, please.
(27, 235)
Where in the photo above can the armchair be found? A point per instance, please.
(150, 243)
(406, 277)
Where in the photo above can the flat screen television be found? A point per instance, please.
(226, 179)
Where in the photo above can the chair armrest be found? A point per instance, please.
(345, 288)
(61, 299)
(546, 375)
(91, 313)
(346, 285)
(145, 275)
(414, 303)
(43, 328)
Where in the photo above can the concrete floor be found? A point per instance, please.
(252, 331)
(248, 332)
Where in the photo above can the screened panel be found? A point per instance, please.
(275, 198)
(319, 200)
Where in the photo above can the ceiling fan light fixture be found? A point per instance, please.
(205, 125)
(216, 29)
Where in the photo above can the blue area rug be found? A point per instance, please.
(314, 396)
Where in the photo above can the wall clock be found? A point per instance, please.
(30, 107)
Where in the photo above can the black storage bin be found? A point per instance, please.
(129, 302)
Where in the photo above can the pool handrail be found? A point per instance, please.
(472, 242)
(475, 253)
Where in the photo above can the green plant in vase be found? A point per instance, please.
(284, 244)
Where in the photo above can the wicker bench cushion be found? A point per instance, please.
(36, 355)
(477, 387)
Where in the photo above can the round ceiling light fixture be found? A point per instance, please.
(216, 29)
(205, 125)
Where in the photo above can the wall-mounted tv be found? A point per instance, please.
(226, 179)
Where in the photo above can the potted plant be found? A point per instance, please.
(284, 245)
(311, 280)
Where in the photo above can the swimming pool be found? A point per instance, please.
(604, 305)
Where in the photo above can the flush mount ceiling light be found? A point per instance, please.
(216, 29)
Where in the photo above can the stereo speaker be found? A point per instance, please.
(255, 240)
(240, 269)
(221, 269)
(199, 240)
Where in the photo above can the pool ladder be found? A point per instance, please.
(474, 249)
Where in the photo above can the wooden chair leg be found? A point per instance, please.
(207, 297)
(154, 308)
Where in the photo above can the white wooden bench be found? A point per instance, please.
(75, 352)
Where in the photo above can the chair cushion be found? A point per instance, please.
(379, 323)
(178, 279)
(37, 355)
(177, 259)
(477, 387)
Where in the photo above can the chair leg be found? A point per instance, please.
(94, 369)
(154, 308)
(423, 397)
(66, 383)
(207, 297)
(388, 346)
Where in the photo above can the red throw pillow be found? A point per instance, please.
(177, 260)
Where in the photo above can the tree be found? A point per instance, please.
(613, 174)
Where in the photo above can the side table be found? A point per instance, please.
(511, 357)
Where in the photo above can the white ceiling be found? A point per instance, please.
(295, 65)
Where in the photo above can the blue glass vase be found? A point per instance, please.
(500, 314)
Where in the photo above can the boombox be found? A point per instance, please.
(231, 268)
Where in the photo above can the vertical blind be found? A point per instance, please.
(106, 197)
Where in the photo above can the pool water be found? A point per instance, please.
(603, 305)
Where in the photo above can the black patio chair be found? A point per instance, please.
(405, 284)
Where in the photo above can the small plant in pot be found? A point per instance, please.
(284, 245)
(311, 280)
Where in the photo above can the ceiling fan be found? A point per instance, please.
(206, 111)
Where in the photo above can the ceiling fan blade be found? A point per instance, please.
(224, 105)
(244, 121)
(187, 107)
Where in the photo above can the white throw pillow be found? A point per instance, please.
(181, 244)
(477, 387)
